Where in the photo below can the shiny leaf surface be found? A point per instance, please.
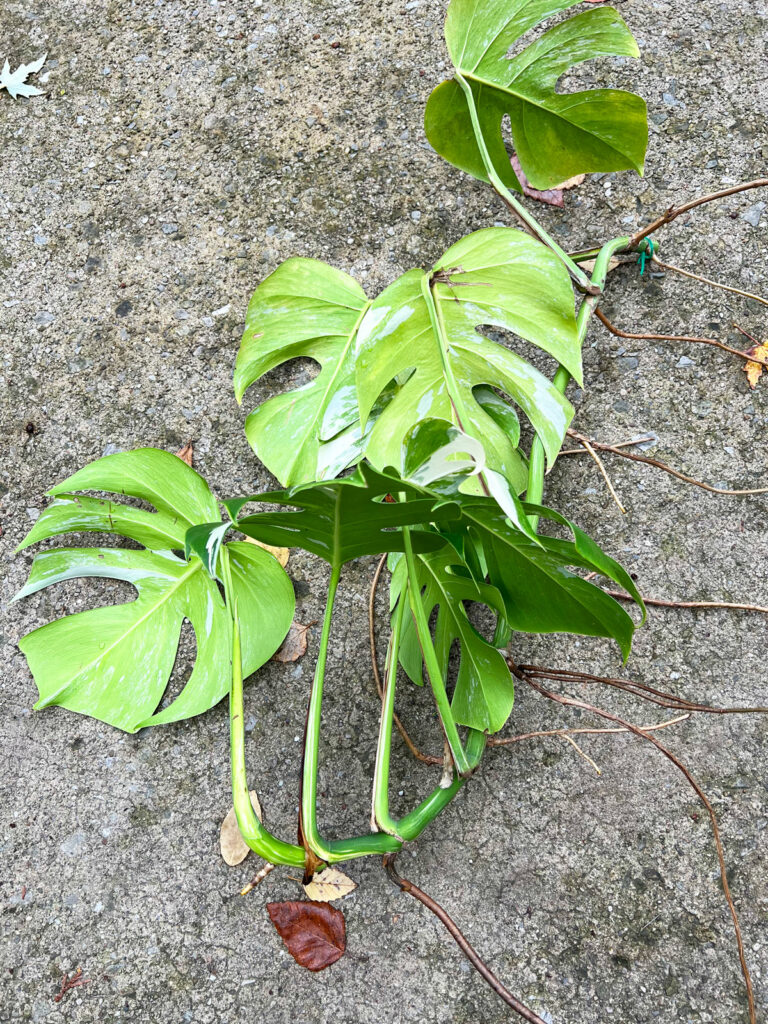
(423, 329)
(305, 309)
(113, 663)
(556, 135)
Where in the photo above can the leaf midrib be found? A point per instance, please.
(540, 106)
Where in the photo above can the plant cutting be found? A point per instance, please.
(424, 439)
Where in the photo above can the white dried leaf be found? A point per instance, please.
(15, 82)
(234, 848)
(330, 884)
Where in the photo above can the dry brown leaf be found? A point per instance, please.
(294, 645)
(330, 884)
(754, 371)
(314, 933)
(234, 849)
(589, 265)
(186, 453)
(281, 554)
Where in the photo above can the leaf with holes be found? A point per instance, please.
(423, 330)
(339, 520)
(484, 690)
(556, 135)
(314, 933)
(305, 309)
(114, 662)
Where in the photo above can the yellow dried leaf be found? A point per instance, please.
(234, 849)
(754, 371)
(281, 554)
(330, 884)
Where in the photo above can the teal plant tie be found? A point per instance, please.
(646, 254)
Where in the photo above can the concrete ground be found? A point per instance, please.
(182, 150)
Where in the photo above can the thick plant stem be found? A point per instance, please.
(573, 269)
(258, 838)
(416, 821)
(434, 672)
(537, 462)
(345, 849)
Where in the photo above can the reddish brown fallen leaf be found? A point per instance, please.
(313, 933)
(294, 645)
(186, 453)
(550, 196)
(754, 371)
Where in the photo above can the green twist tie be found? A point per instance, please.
(646, 254)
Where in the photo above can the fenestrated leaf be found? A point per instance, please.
(426, 325)
(343, 519)
(114, 662)
(314, 933)
(484, 690)
(305, 309)
(556, 135)
(540, 593)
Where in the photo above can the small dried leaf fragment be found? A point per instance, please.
(234, 849)
(295, 644)
(314, 933)
(281, 554)
(550, 196)
(330, 884)
(589, 265)
(186, 454)
(754, 371)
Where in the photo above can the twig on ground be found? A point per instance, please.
(418, 754)
(587, 446)
(68, 983)
(503, 741)
(706, 280)
(643, 690)
(572, 702)
(675, 211)
(257, 878)
(676, 337)
(463, 944)
(659, 602)
(657, 464)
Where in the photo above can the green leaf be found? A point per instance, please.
(484, 691)
(423, 329)
(305, 309)
(540, 593)
(344, 519)
(113, 663)
(556, 135)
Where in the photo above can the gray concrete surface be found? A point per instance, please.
(181, 151)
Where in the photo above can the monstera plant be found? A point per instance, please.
(408, 442)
